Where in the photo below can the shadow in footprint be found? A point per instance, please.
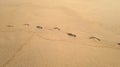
(39, 27)
(71, 34)
(10, 26)
(56, 28)
(92, 37)
(118, 43)
(26, 24)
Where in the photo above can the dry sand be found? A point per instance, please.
(34, 33)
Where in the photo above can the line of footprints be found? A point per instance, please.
(57, 28)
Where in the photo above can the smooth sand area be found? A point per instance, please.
(59, 33)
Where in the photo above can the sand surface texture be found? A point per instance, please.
(59, 33)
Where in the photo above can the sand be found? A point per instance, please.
(34, 33)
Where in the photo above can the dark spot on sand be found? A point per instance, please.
(118, 43)
(95, 38)
(26, 24)
(39, 27)
(71, 34)
(10, 26)
(56, 28)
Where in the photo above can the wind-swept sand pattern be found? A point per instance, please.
(65, 33)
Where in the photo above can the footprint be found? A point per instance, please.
(118, 43)
(39, 27)
(10, 26)
(26, 24)
(56, 28)
(95, 38)
(72, 35)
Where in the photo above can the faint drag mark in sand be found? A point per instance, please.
(15, 54)
(49, 38)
